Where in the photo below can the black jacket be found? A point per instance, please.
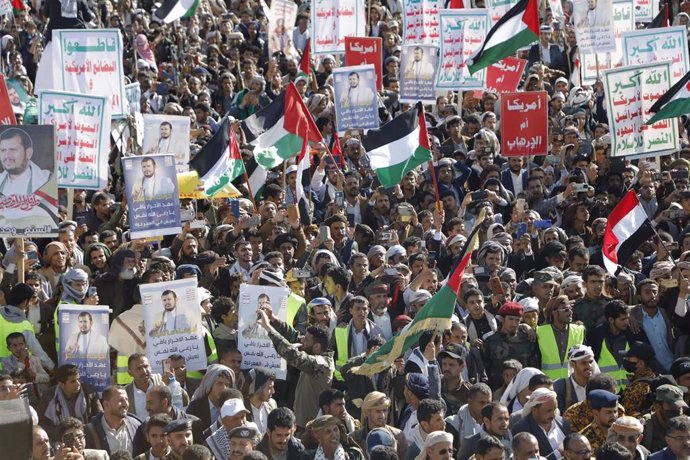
(530, 425)
(295, 447)
(95, 435)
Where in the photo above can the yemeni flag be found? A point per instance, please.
(277, 137)
(435, 314)
(219, 161)
(627, 227)
(674, 103)
(172, 10)
(304, 63)
(661, 19)
(399, 146)
(518, 28)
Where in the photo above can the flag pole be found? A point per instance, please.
(249, 187)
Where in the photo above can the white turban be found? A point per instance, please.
(519, 383)
(538, 396)
(431, 440)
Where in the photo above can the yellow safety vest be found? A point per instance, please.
(608, 365)
(343, 352)
(212, 358)
(294, 302)
(551, 362)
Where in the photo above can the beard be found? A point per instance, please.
(128, 274)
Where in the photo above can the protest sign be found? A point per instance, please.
(525, 131)
(167, 134)
(84, 342)
(83, 145)
(356, 103)
(90, 62)
(630, 92)
(332, 21)
(668, 44)
(594, 26)
(6, 111)
(151, 188)
(252, 340)
(365, 50)
(505, 75)
(6, 8)
(645, 10)
(498, 8)
(172, 321)
(594, 64)
(462, 34)
(418, 64)
(421, 21)
(282, 19)
(28, 186)
(133, 95)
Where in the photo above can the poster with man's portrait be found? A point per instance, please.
(172, 321)
(84, 342)
(252, 340)
(28, 184)
(356, 101)
(594, 26)
(152, 195)
(418, 64)
(167, 134)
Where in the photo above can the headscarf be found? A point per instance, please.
(92, 247)
(538, 396)
(580, 352)
(519, 383)
(144, 51)
(431, 440)
(50, 250)
(213, 372)
(374, 400)
(69, 294)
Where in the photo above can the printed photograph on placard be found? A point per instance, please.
(28, 186)
(418, 64)
(356, 102)
(168, 134)
(172, 320)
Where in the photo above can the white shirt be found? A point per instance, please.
(555, 437)
(140, 403)
(117, 439)
(384, 323)
(355, 210)
(34, 316)
(517, 182)
(260, 416)
(580, 391)
(359, 341)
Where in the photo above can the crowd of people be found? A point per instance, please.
(547, 355)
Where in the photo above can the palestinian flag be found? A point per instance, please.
(518, 28)
(674, 103)
(304, 63)
(172, 10)
(257, 179)
(303, 164)
(399, 146)
(435, 314)
(277, 137)
(627, 227)
(661, 19)
(219, 161)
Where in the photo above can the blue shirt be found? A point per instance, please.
(655, 328)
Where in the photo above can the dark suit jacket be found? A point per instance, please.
(564, 387)
(95, 435)
(507, 180)
(557, 59)
(530, 425)
(199, 408)
(663, 454)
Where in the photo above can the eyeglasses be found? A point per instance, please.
(582, 453)
(450, 451)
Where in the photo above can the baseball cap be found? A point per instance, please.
(670, 394)
(232, 407)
